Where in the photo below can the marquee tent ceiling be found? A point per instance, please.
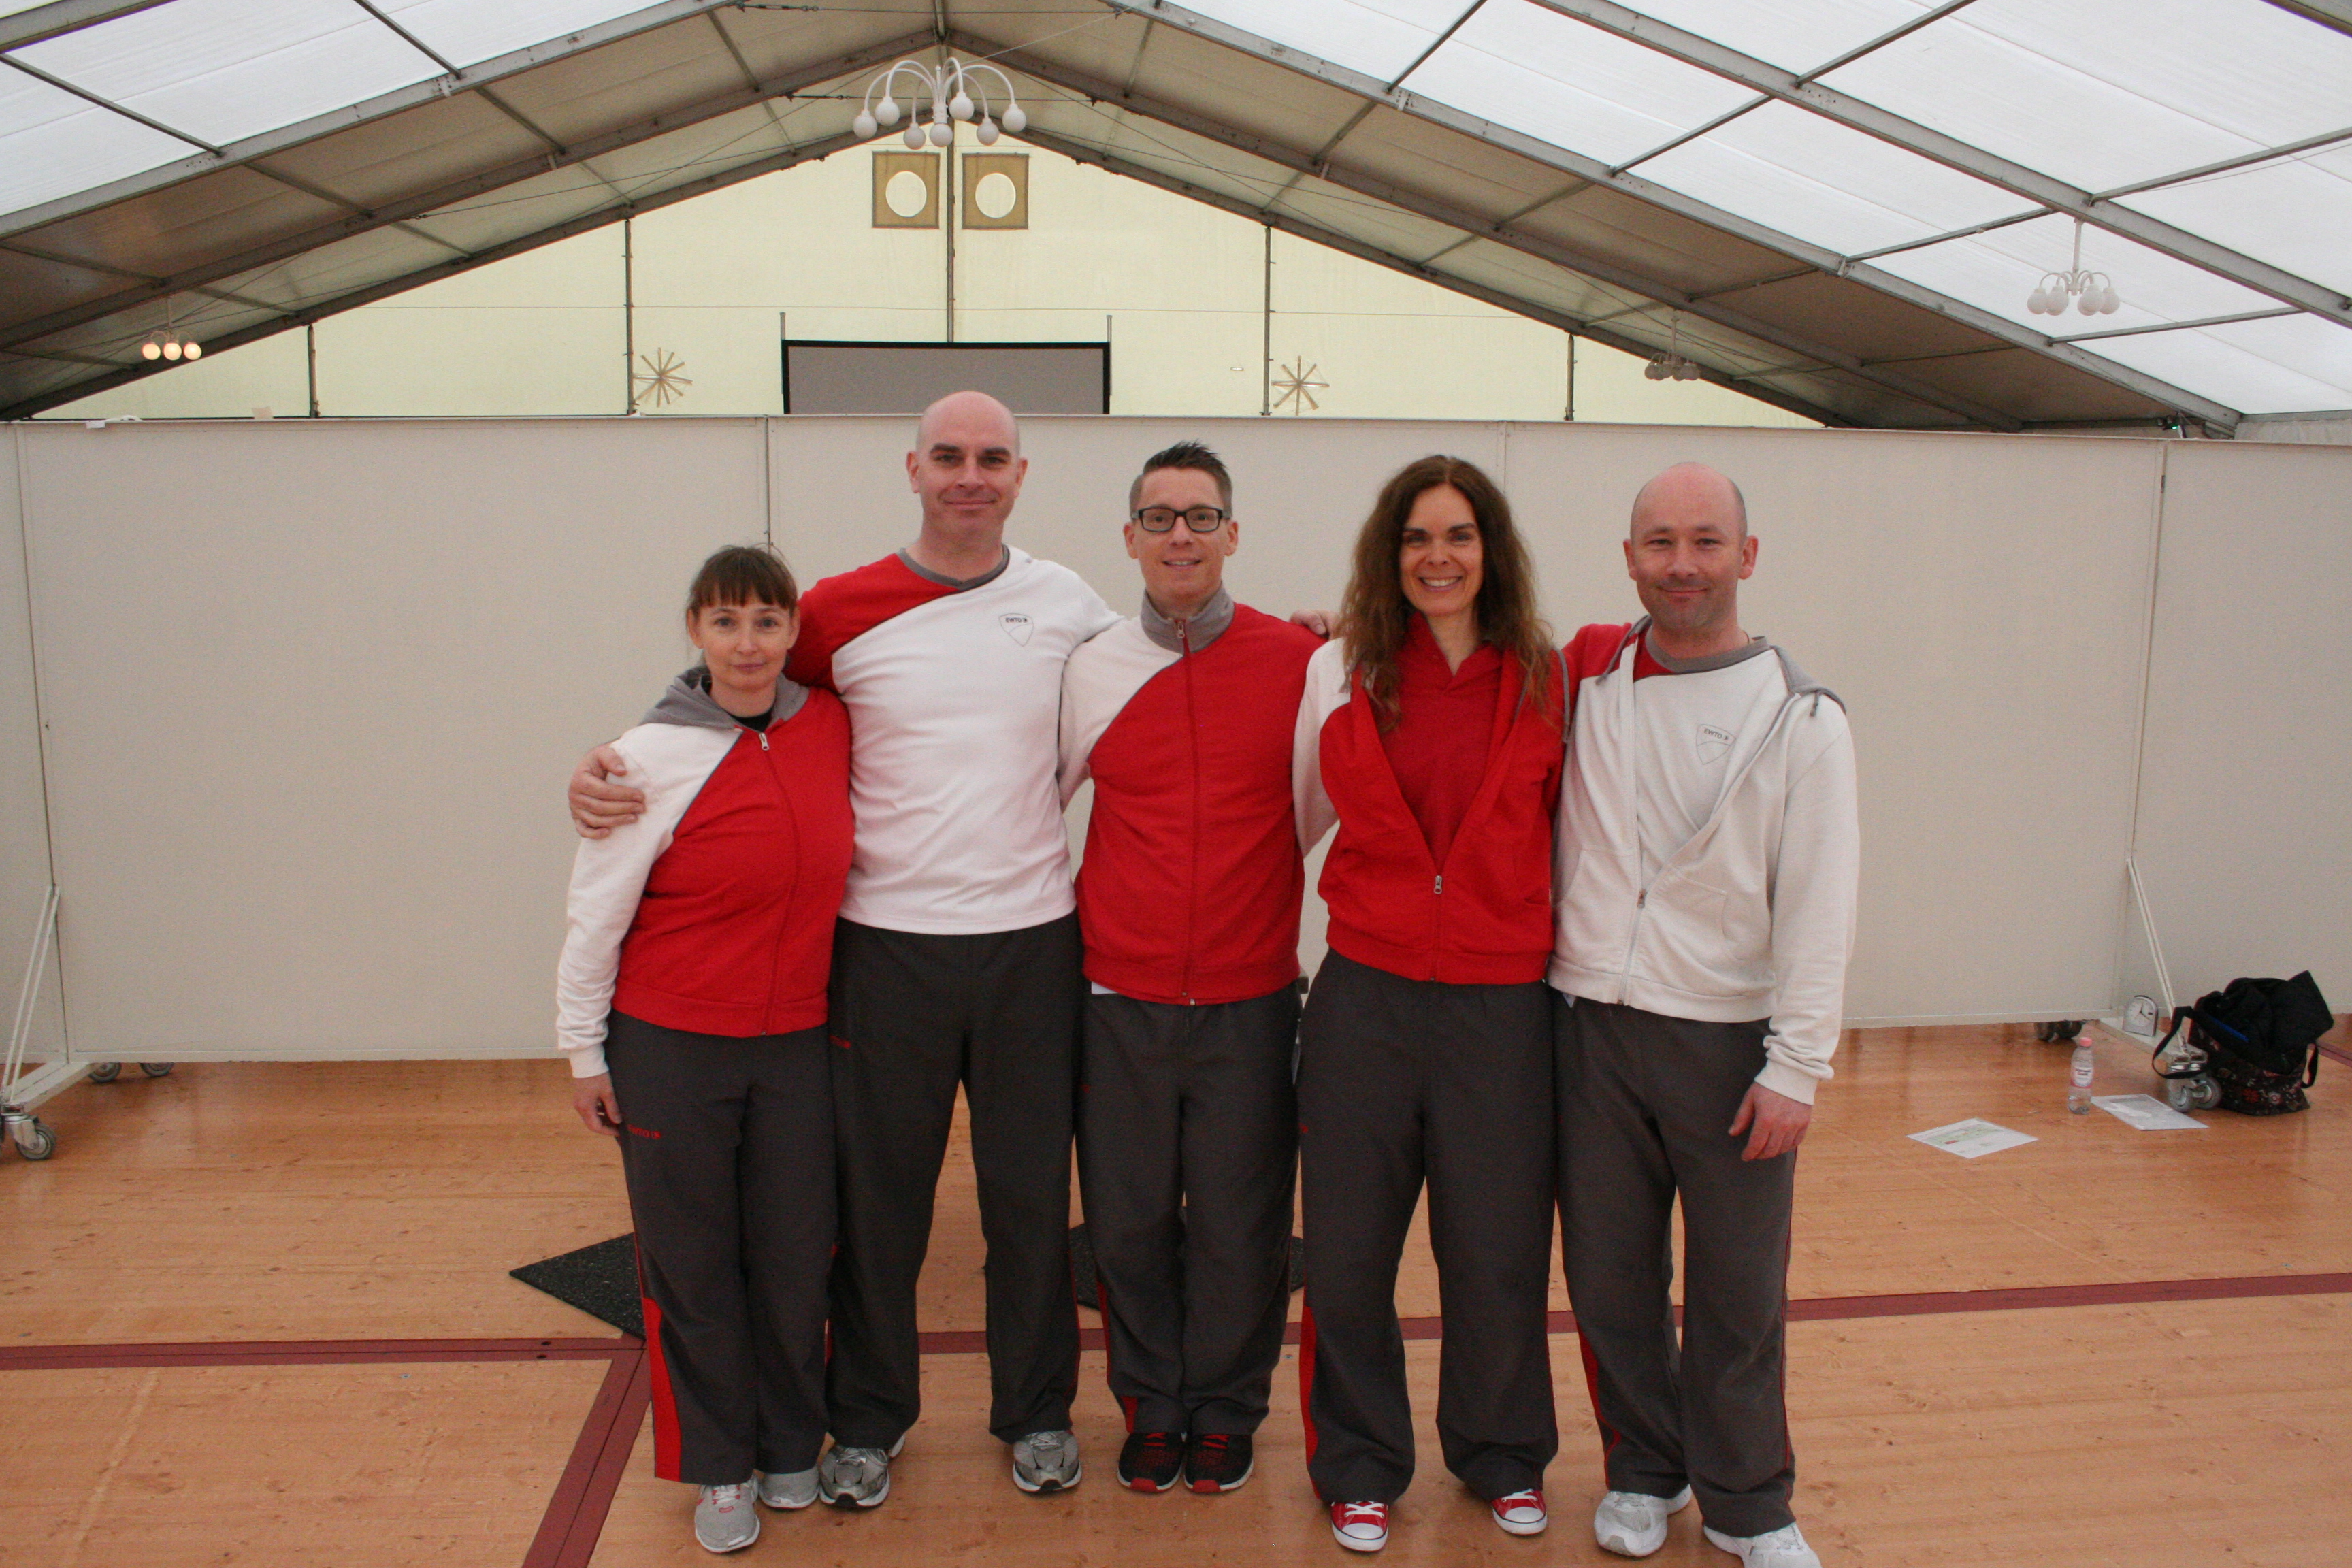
(1837, 205)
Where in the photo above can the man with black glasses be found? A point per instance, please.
(1188, 898)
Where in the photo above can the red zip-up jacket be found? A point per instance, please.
(1484, 918)
(1190, 887)
(713, 912)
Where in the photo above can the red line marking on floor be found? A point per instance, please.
(575, 1488)
(302, 1352)
(2335, 1053)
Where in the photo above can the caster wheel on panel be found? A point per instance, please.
(105, 1072)
(2043, 1032)
(34, 1140)
(156, 1070)
(2066, 1029)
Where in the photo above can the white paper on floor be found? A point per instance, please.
(2144, 1111)
(1973, 1137)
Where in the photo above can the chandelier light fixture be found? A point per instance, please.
(949, 87)
(2092, 293)
(1671, 365)
(165, 341)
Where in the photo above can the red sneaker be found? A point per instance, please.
(1361, 1526)
(1522, 1513)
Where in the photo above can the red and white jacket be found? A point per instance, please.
(1484, 918)
(1190, 887)
(954, 692)
(1753, 916)
(713, 912)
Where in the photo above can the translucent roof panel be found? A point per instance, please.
(2102, 93)
(1377, 37)
(54, 144)
(468, 32)
(1814, 178)
(225, 69)
(2284, 366)
(2296, 213)
(1996, 271)
(1796, 35)
(1537, 71)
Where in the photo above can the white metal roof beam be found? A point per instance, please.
(2244, 161)
(602, 217)
(389, 103)
(1535, 150)
(424, 202)
(111, 106)
(1304, 163)
(2336, 13)
(63, 16)
(1868, 118)
(1085, 153)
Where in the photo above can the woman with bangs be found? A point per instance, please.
(691, 1000)
(1431, 734)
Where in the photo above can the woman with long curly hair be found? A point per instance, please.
(1431, 734)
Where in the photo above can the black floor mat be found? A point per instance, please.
(1082, 1267)
(600, 1280)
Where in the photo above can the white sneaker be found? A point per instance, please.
(1048, 1462)
(794, 1489)
(1781, 1548)
(1633, 1524)
(724, 1519)
(1361, 1526)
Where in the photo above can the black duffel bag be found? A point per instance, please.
(2261, 1040)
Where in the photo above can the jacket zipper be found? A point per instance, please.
(784, 914)
(1193, 747)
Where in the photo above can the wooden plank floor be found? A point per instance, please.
(372, 1202)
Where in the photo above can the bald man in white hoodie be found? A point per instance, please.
(1708, 854)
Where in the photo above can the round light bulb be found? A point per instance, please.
(2109, 301)
(1653, 371)
(987, 132)
(914, 137)
(150, 349)
(192, 351)
(940, 135)
(887, 111)
(172, 348)
(866, 126)
(2033, 301)
(1687, 371)
(959, 105)
(1016, 120)
(2089, 303)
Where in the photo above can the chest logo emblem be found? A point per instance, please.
(1017, 626)
(1714, 744)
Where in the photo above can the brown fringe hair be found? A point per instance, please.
(743, 574)
(1374, 613)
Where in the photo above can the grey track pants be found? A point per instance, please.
(1644, 1104)
(1188, 1136)
(727, 1145)
(914, 1016)
(1402, 1081)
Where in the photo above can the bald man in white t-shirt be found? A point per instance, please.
(1705, 898)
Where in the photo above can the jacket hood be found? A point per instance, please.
(689, 702)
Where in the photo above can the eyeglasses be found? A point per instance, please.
(1198, 518)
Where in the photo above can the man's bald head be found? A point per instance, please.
(968, 419)
(1691, 492)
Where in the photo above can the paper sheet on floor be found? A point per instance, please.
(1972, 1138)
(2144, 1111)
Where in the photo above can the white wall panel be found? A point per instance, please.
(24, 826)
(2245, 833)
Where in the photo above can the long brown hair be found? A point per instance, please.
(1374, 614)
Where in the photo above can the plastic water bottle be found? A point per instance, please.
(2078, 1078)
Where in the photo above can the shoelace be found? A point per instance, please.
(1049, 1448)
(1364, 1513)
(1161, 1445)
(1215, 1444)
(726, 1496)
(1531, 1498)
(868, 1464)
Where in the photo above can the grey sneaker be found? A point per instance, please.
(1633, 1524)
(1048, 1462)
(724, 1519)
(1781, 1548)
(797, 1489)
(849, 1476)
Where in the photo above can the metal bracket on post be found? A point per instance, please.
(21, 1091)
(2147, 928)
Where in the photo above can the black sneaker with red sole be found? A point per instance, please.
(1218, 1461)
(1149, 1461)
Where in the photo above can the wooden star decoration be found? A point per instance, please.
(1295, 383)
(662, 382)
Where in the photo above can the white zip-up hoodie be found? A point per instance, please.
(1753, 916)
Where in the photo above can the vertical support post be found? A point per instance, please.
(948, 222)
(629, 312)
(1570, 415)
(1266, 344)
(311, 351)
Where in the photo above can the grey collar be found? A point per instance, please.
(957, 583)
(689, 702)
(1197, 633)
(1756, 645)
